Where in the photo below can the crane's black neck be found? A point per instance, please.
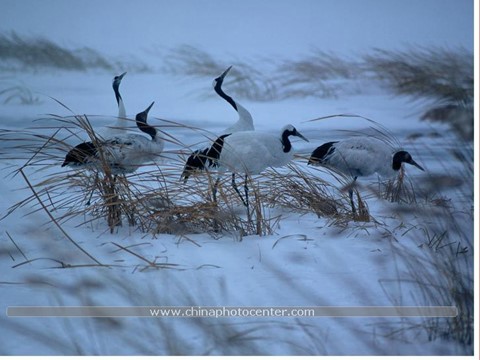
(116, 86)
(287, 145)
(219, 91)
(141, 121)
(215, 150)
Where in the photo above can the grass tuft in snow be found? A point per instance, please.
(439, 277)
(153, 199)
(319, 74)
(439, 271)
(303, 192)
(39, 52)
(20, 53)
(399, 190)
(443, 77)
(244, 80)
(17, 92)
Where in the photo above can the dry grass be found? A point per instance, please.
(303, 192)
(440, 270)
(399, 190)
(160, 336)
(318, 74)
(17, 92)
(440, 78)
(191, 208)
(20, 53)
(153, 199)
(39, 52)
(244, 80)
(438, 73)
(442, 275)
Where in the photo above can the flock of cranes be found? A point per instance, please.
(240, 149)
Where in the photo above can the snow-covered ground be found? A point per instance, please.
(307, 261)
(415, 254)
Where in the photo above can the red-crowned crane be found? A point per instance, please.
(361, 156)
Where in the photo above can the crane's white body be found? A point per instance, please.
(196, 161)
(362, 156)
(123, 153)
(251, 152)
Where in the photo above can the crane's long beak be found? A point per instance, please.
(221, 77)
(302, 137)
(122, 75)
(412, 162)
(148, 109)
(142, 116)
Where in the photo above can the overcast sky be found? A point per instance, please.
(243, 27)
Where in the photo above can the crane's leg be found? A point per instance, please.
(246, 191)
(215, 188)
(93, 190)
(350, 193)
(236, 189)
(247, 203)
(216, 227)
(90, 197)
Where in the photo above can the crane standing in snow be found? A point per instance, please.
(117, 155)
(360, 157)
(123, 153)
(251, 152)
(196, 161)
